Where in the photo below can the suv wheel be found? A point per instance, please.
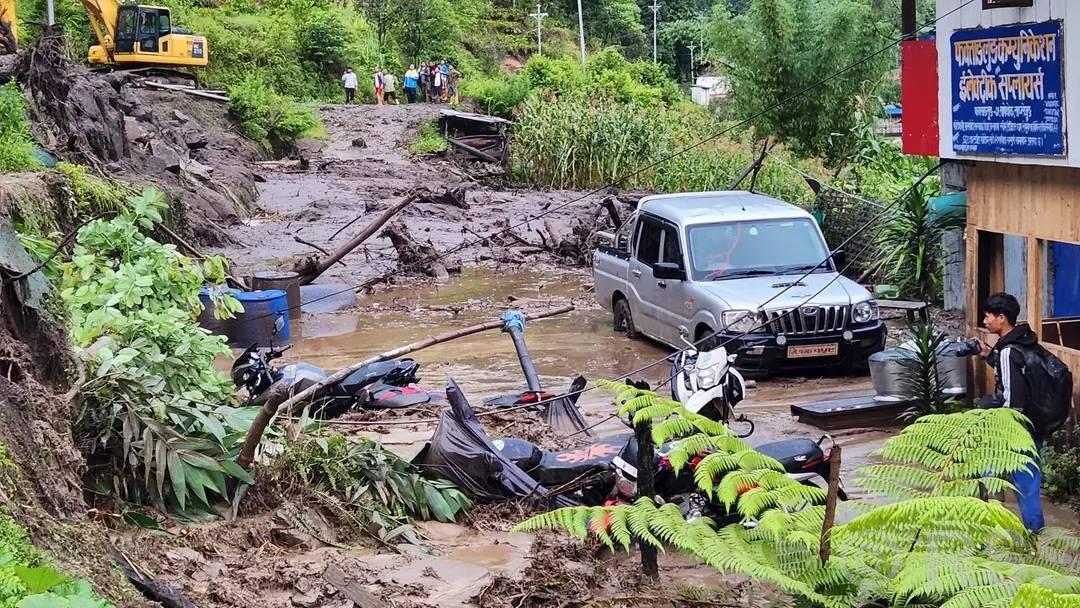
(624, 320)
(707, 340)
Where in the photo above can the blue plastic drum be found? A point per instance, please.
(206, 317)
(256, 324)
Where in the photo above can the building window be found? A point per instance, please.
(1061, 293)
(1003, 266)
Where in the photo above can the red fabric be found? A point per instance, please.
(919, 90)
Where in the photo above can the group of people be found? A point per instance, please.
(432, 83)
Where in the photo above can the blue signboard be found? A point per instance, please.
(1007, 90)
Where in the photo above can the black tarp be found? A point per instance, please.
(562, 413)
(461, 451)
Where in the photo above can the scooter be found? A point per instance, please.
(707, 383)
(382, 385)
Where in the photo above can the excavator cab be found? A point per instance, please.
(145, 36)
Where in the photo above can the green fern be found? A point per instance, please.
(1033, 596)
(952, 455)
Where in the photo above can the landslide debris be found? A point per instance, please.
(184, 145)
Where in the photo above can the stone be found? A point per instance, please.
(359, 143)
(133, 131)
(181, 116)
(198, 169)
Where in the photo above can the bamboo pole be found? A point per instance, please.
(646, 466)
(324, 264)
(276, 402)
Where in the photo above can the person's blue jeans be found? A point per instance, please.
(1028, 493)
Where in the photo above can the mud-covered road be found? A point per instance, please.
(345, 181)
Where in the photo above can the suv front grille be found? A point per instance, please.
(807, 320)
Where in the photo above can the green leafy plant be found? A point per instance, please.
(267, 117)
(154, 409)
(910, 253)
(430, 140)
(921, 377)
(16, 145)
(367, 484)
(28, 581)
(939, 545)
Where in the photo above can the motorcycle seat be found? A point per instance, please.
(559, 468)
(794, 454)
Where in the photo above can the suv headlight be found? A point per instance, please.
(740, 321)
(865, 312)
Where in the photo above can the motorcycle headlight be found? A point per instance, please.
(708, 377)
(740, 321)
(865, 312)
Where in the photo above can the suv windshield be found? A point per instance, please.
(755, 247)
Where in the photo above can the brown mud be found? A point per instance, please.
(343, 181)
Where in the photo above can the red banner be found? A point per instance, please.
(919, 93)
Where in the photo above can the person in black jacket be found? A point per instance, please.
(1013, 390)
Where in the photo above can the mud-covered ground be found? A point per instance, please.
(343, 182)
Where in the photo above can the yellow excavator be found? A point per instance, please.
(129, 36)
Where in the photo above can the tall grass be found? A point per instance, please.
(16, 145)
(573, 142)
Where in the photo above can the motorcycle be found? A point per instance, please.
(380, 385)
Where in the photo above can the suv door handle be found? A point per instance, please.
(661, 284)
(636, 272)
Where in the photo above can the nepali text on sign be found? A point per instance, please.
(1007, 91)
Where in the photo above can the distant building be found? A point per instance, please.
(992, 95)
(708, 89)
(892, 124)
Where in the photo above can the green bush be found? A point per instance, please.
(430, 140)
(271, 119)
(28, 581)
(16, 145)
(154, 409)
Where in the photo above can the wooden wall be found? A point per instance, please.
(1032, 201)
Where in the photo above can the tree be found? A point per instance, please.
(781, 49)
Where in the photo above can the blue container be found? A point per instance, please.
(256, 324)
(206, 317)
(954, 204)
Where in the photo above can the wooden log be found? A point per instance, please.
(646, 466)
(471, 150)
(830, 502)
(310, 272)
(274, 405)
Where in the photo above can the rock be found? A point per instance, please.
(359, 143)
(198, 169)
(167, 154)
(306, 600)
(195, 140)
(181, 116)
(183, 554)
(133, 131)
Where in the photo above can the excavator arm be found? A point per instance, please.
(102, 15)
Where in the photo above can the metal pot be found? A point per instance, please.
(887, 372)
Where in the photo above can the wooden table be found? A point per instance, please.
(911, 307)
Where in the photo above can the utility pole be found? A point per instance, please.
(581, 30)
(655, 9)
(539, 17)
(692, 47)
(52, 13)
(908, 19)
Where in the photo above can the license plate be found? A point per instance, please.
(813, 350)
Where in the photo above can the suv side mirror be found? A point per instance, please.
(668, 271)
(839, 258)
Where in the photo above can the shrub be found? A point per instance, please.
(154, 408)
(16, 145)
(267, 117)
(430, 140)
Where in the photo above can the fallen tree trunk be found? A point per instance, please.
(480, 154)
(414, 254)
(276, 403)
(309, 270)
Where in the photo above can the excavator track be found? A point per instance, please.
(151, 72)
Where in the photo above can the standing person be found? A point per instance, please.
(390, 87)
(348, 80)
(378, 82)
(437, 83)
(425, 82)
(444, 68)
(1024, 380)
(411, 81)
(452, 84)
